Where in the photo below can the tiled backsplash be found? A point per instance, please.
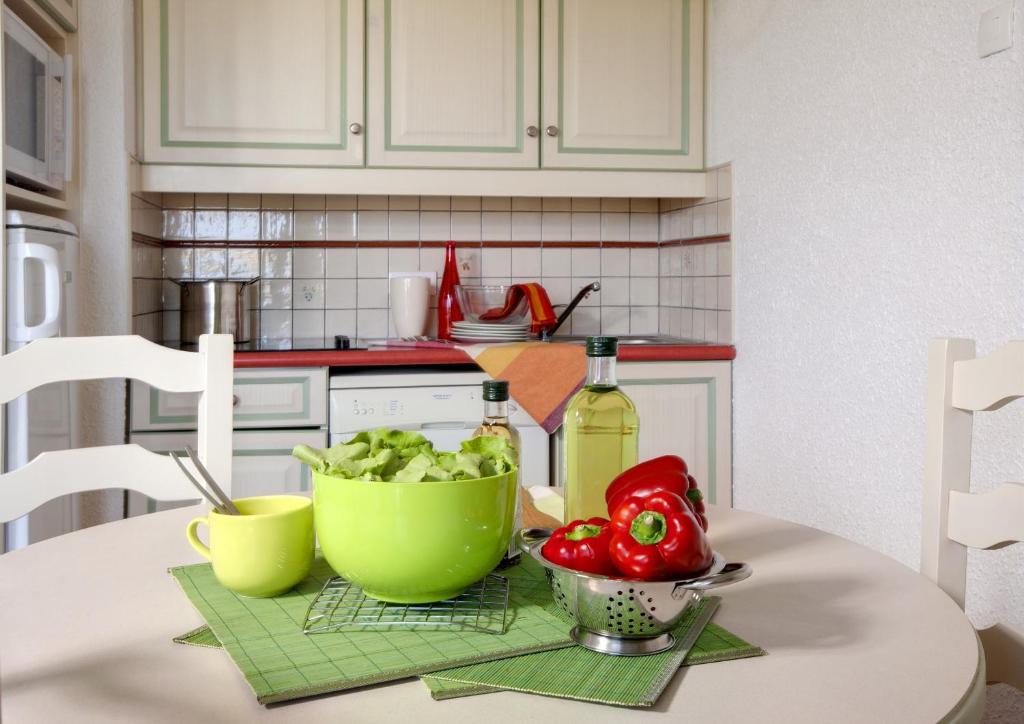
(324, 260)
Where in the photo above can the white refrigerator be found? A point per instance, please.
(42, 266)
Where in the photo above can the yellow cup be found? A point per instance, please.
(263, 552)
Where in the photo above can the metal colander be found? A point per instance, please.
(621, 616)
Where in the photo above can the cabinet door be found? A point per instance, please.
(452, 83)
(623, 84)
(258, 82)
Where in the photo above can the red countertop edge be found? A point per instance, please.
(415, 357)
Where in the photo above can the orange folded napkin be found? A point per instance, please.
(542, 376)
(540, 306)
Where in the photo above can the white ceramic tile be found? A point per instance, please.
(725, 292)
(724, 216)
(276, 324)
(276, 201)
(211, 263)
(698, 220)
(725, 182)
(341, 263)
(526, 203)
(646, 204)
(341, 202)
(340, 321)
(586, 226)
(435, 225)
(494, 281)
(556, 226)
(372, 263)
(341, 225)
(556, 203)
(372, 225)
(277, 263)
(643, 262)
(686, 261)
(243, 225)
(615, 291)
(170, 296)
(615, 262)
(403, 260)
(559, 289)
(496, 203)
(614, 320)
(526, 225)
(210, 224)
(586, 262)
(697, 328)
(308, 324)
(643, 227)
(179, 201)
(664, 260)
(403, 203)
(664, 293)
(710, 259)
(556, 262)
(614, 204)
(466, 203)
(711, 219)
(711, 326)
(372, 293)
(372, 203)
(686, 224)
(526, 262)
(468, 259)
(432, 260)
(307, 294)
(699, 258)
(466, 226)
(614, 226)
(724, 258)
(586, 320)
(310, 225)
(711, 186)
(243, 263)
(372, 323)
(308, 263)
(685, 323)
(171, 326)
(643, 320)
(243, 201)
(683, 290)
(664, 320)
(340, 294)
(276, 225)
(496, 225)
(586, 204)
(643, 291)
(275, 294)
(310, 202)
(178, 224)
(699, 296)
(591, 300)
(403, 225)
(725, 327)
(435, 203)
(178, 263)
(496, 262)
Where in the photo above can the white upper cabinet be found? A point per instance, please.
(623, 84)
(453, 83)
(259, 82)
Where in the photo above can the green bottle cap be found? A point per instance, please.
(496, 390)
(602, 346)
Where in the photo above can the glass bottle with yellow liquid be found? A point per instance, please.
(601, 430)
(496, 424)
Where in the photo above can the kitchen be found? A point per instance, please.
(813, 161)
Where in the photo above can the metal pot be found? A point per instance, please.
(219, 306)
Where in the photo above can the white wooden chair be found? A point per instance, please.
(51, 474)
(954, 519)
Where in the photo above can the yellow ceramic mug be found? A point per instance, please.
(263, 552)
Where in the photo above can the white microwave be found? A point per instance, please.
(37, 109)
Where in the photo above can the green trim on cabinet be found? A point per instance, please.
(711, 385)
(58, 16)
(155, 418)
(165, 140)
(520, 129)
(684, 141)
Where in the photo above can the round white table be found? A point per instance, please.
(86, 622)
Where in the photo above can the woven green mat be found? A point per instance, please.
(264, 636)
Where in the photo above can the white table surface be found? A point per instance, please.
(86, 622)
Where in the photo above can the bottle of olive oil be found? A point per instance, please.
(601, 429)
(496, 424)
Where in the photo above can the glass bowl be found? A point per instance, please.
(475, 299)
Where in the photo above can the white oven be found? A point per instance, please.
(37, 108)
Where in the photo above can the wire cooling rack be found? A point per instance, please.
(342, 605)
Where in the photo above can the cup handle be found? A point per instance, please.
(190, 533)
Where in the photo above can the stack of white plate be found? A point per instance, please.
(482, 332)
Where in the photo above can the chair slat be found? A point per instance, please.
(57, 359)
(987, 520)
(75, 471)
(989, 382)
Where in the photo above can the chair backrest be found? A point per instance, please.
(208, 371)
(954, 519)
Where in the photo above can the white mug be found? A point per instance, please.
(410, 304)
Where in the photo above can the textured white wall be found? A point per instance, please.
(878, 184)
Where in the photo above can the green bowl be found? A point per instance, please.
(414, 542)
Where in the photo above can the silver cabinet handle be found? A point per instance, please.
(355, 128)
(551, 131)
(235, 400)
(532, 131)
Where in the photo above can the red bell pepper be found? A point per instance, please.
(668, 473)
(582, 545)
(658, 537)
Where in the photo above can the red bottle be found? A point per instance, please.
(447, 304)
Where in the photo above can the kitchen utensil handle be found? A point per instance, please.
(217, 505)
(190, 533)
(525, 537)
(732, 573)
(226, 501)
(18, 328)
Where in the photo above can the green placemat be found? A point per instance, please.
(264, 636)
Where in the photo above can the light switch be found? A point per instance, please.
(995, 29)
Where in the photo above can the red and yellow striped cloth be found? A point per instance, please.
(541, 311)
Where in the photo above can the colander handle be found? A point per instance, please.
(732, 573)
(525, 537)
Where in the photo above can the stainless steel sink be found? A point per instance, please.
(633, 339)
